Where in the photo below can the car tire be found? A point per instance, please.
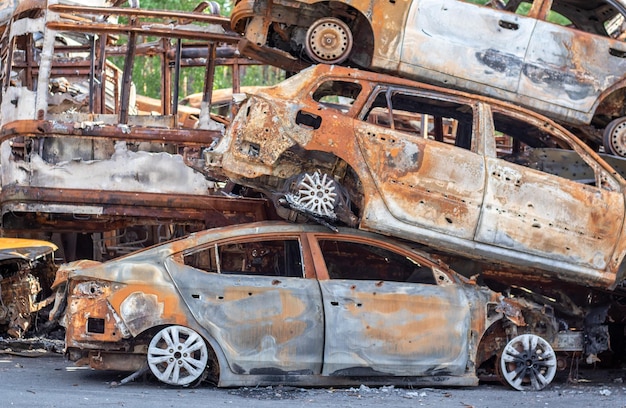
(177, 355)
(527, 363)
(615, 137)
(329, 41)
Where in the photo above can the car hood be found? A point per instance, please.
(24, 249)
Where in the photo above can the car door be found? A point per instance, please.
(570, 67)
(252, 297)
(420, 154)
(386, 316)
(465, 45)
(541, 208)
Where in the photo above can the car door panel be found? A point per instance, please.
(264, 324)
(487, 45)
(417, 186)
(570, 68)
(541, 214)
(392, 328)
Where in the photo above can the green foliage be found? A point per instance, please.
(147, 70)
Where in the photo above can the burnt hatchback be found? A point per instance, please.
(275, 302)
(562, 58)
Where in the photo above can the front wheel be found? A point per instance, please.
(528, 363)
(178, 355)
(329, 41)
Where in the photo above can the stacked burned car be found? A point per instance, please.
(278, 303)
(465, 174)
(321, 305)
(563, 58)
(406, 179)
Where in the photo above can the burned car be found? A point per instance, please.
(27, 270)
(287, 303)
(562, 58)
(466, 174)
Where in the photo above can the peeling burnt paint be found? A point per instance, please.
(509, 65)
(552, 79)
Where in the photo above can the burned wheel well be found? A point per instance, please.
(492, 342)
(289, 35)
(612, 106)
(341, 172)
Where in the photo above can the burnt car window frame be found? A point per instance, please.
(249, 260)
(470, 143)
(604, 176)
(317, 93)
(421, 272)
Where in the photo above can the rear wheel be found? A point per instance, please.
(329, 41)
(178, 355)
(528, 363)
(615, 137)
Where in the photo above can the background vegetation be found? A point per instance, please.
(147, 70)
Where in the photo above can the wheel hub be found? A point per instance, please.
(528, 363)
(315, 194)
(177, 355)
(615, 137)
(329, 40)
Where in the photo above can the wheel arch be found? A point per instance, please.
(311, 161)
(611, 105)
(361, 27)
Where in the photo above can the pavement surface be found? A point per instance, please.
(39, 376)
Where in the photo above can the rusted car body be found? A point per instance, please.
(27, 270)
(83, 152)
(287, 303)
(571, 70)
(466, 174)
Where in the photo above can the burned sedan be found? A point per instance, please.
(466, 174)
(287, 303)
(563, 58)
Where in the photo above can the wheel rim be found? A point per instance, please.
(528, 363)
(316, 195)
(615, 137)
(329, 41)
(177, 355)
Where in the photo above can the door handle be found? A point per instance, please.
(507, 25)
(617, 52)
(308, 119)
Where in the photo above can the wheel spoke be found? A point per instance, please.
(158, 351)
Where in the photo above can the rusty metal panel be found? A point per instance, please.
(572, 70)
(388, 328)
(264, 325)
(417, 186)
(487, 58)
(535, 212)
